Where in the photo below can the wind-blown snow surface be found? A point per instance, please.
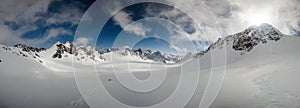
(265, 76)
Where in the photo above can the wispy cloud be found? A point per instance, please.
(185, 31)
(180, 51)
(53, 33)
(81, 41)
(124, 20)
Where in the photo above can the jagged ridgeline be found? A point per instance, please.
(243, 41)
(90, 52)
(249, 38)
(66, 49)
(25, 48)
(25, 51)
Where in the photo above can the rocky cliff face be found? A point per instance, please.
(250, 37)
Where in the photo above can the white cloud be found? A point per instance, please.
(125, 21)
(17, 10)
(180, 51)
(55, 32)
(81, 41)
(178, 17)
(9, 37)
(187, 29)
(23, 14)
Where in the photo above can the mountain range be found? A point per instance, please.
(242, 41)
(89, 54)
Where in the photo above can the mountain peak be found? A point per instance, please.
(254, 35)
(250, 37)
(264, 29)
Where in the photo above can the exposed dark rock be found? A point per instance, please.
(37, 55)
(249, 38)
(55, 55)
(62, 48)
(28, 48)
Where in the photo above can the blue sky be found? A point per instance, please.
(155, 27)
(41, 23)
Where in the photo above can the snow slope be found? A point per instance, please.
(263, 75)
(262, 70)
(266, 76)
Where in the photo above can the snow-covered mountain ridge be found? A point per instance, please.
(90, 54)
(246, 40)
(243, 41)
(249, 38)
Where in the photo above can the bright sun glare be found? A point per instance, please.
(257, 17)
